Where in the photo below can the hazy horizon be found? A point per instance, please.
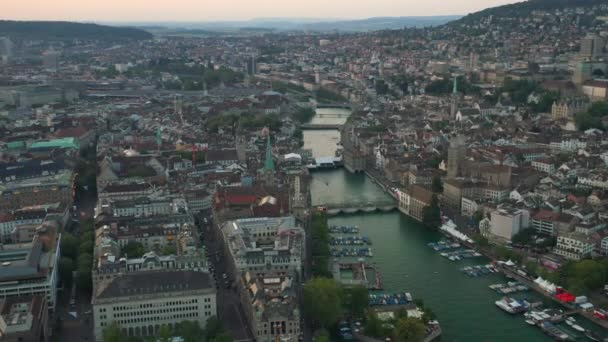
(234, 10)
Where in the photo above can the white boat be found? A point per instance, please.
(569, 322)
(511, 305)
(578, 328)
(531, 322)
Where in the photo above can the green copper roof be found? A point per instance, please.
(455, 89)
(269, 163)
(56, 143)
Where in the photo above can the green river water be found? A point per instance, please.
(464, 306)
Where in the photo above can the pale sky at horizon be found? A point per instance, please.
(210, 10)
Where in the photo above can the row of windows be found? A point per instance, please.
(152, 305)
(151, 312)
(159, 318)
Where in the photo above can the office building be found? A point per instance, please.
(24, 319)
(141, 302)
(265, 245)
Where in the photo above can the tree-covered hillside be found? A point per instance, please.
(60, 30)
(524, 8)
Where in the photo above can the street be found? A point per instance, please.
(229, 309)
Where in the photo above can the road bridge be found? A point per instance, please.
(356, 207)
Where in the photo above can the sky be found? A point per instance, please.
(214, 10)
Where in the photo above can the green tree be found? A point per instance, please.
(169, 250)
(431, 215)
(373, 325)
(85, 264)
(69, 246)
(66, 267)
(323, 301)
(409, 330)
(321, 336)
(437, 185)
(190, 331)
(304, 115)
(133, 250)
(112, 333)
(164, 333)
(356, 300)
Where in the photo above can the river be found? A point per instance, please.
(464, 306)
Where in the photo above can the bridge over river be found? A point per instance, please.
(356, 207)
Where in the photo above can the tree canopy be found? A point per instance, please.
(323, 299)
(409, 329)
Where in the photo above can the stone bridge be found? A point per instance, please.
(355, 207)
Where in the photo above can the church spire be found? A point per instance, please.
(455, 87)
(269, 163)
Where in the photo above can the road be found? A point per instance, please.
(230, 311)
(80, 327)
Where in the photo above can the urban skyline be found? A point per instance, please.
(191, 10)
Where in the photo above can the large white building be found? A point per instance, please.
(31, 268)
(141, 302)
(505, 223)
(574, 246)
(265, 245)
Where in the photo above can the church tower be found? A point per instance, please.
(454, 99)
(268, 172)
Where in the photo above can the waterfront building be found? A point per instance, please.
(551, 223)
(24, 319)
(141, 302)
(413, 200)
(507, 222)
(574, 246)
(456, 155)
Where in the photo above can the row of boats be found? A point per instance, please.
(509, 288)
(344, 229)
(383, 299)
(546, 319)
(350, 241)
(479, 270)
(443, 245)
(364, 252)
(460, 254)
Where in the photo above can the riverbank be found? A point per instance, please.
(385, 185)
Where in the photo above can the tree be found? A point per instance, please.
(133, 249)
(437, 185)
(409, 330)
(169, 250)
(356, 300)
(373, 325)
(478, 216)
(69, 246)
(323, 301)
(112, 333)
(66, 269)
(431, 216)
(164, 333)
(190, 331)
(321, 336)
(304, 114)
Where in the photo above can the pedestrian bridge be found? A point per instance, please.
(356, 207)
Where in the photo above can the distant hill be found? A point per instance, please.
(379, 23)
(308, 24)
(61, 30)
(524, 8)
